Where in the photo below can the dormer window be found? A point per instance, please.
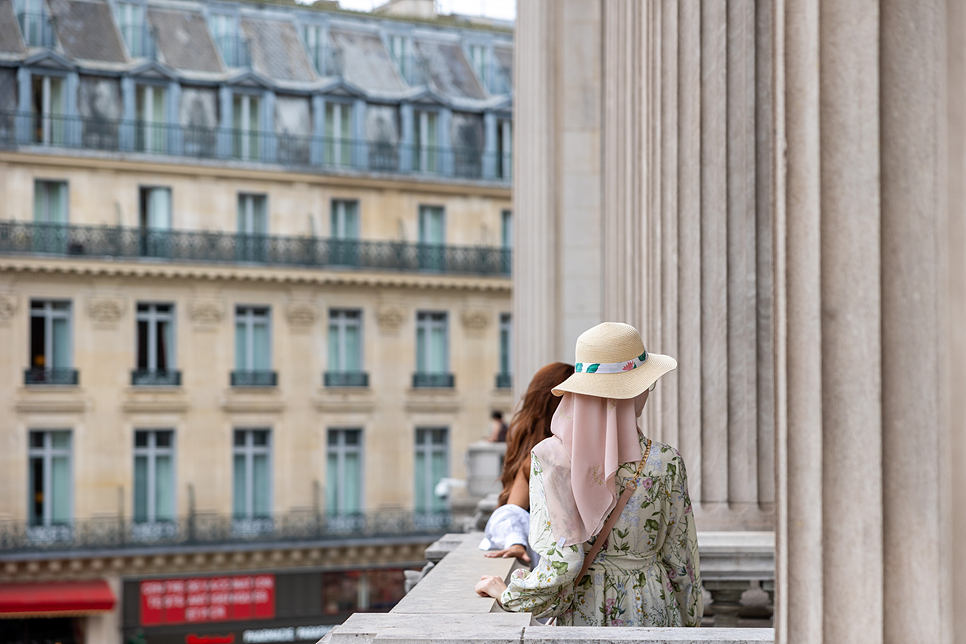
(230, 43)
(326, 59)
(478, 60)
(134, 29)
(47, 106)
(35, 23)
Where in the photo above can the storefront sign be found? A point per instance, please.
(288, 634)
(207, 599)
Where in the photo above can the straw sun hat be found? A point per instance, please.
(613, 363)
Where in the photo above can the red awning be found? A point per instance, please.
(42, 599)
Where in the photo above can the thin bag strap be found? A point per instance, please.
(605, 531)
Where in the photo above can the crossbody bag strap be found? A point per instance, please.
(605, 531)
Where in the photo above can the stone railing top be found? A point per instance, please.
(444, 609)
(737, 556)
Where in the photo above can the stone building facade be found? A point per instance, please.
(255, 302)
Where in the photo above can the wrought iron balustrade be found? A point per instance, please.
(430, 380)
(302, 151)
(346, 379)
(242, 378)
(18, 237)
(112, 533)
(156, 378)
(55, 376)
(504, 381)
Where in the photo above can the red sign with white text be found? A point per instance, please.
(207, 599)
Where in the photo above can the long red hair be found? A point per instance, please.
(531, 424)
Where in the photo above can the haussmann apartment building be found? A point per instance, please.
(254, 305)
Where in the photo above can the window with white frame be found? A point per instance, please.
(478, 59)
(50, 210)
(155, 331)
(225, 30)
(151, 114)
(432, 225)
(343, 473)
(504, 148)
(35, 23)
(252, 338)
(246, 124)
(400, 50)
(338, 133)
(431, 465)
(50, 344)
(425, 141)
(49, 502)
(252, 227)
(506, 229)
(345, 340)
(153, 476)
(345, 219)
(505, 346)
(48, 105)
(154, 218)
(251, 474)
(323, 56)
(432, 350)
(130, 18)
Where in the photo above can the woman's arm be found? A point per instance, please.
(680, 550)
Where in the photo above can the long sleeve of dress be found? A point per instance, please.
(548, 589)
(679, 554)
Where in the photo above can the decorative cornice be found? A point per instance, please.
(51, 402)
(268, 275)
(105, 311)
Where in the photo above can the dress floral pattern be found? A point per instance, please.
(647, 574)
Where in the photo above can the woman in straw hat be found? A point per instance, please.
(598, 475)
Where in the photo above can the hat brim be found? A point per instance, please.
(619, 386)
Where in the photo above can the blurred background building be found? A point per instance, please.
(254, 302)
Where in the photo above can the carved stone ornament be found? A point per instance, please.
(390, 317)
(206, 313)
(475, 320)
(301, 315)
(8, 307)
(105, 311)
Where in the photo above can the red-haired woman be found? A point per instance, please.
(509, 526)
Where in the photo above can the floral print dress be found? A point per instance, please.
(646, 574)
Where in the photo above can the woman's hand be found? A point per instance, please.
(490, 586)
(516, 550)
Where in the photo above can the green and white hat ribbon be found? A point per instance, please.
(611, 367)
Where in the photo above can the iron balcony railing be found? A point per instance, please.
(346, 379)
(114, 242)
(205, 530)
(156, 378)
(55, 376)
(504, 381)
(437, 380)
(243, 378)
(305, 152)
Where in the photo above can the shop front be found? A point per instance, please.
(54, 611)
(253, 608)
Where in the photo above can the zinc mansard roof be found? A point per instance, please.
(88, 35)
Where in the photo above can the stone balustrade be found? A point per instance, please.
(442, 608)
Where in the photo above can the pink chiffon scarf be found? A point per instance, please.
(591, 438)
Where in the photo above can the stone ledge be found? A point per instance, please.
(744, 556)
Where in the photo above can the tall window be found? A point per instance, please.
(252, 227)
(48, 107)
(401, 52)
(343, 474)
(425, 141)
(153, 476)
(50, 210)
(151, 133)
(432, 464)
(155, 220)
(246, 126)
(251, 475)
(432, 236)
(253, 357)
(506, 239)
(345, 340)
(338, 134)
(49, 487)
(432, 351)
(324, 57)
(226, 32)
(35, 23)
(504, 148)
(50, 346)
(155, 330)
(505, 350)
(478, 60)
(344, 232)
(130, 18)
